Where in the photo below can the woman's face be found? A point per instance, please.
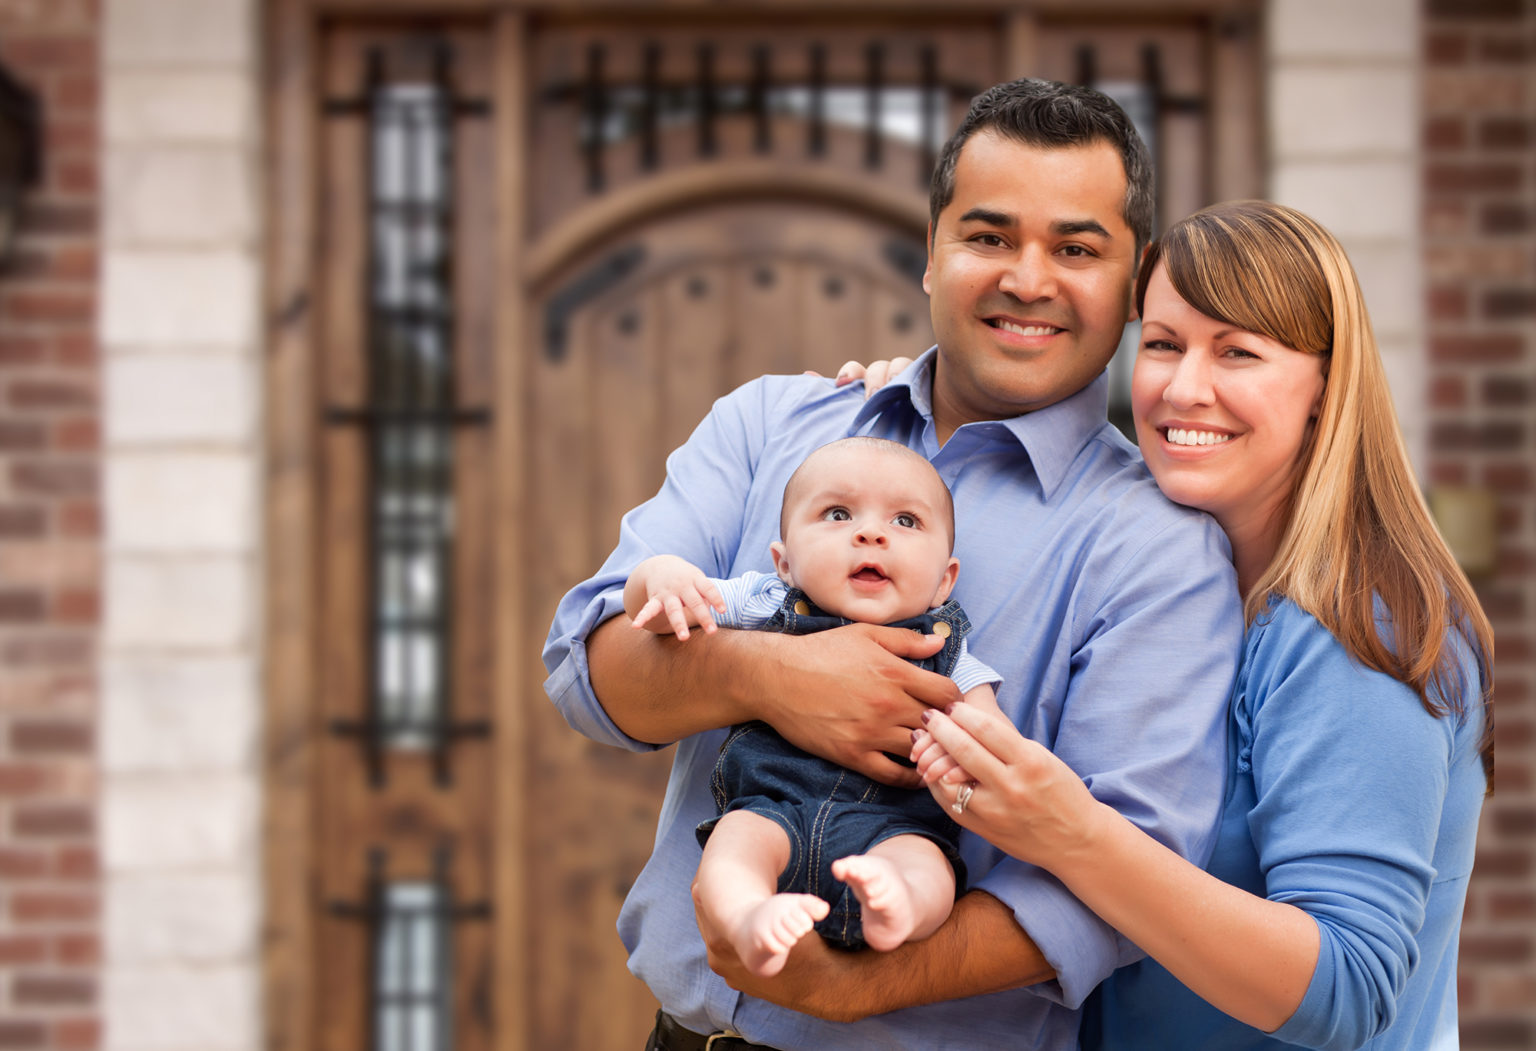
(1222, 414)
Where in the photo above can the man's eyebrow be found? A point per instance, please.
(988, 216)
(1073, 227)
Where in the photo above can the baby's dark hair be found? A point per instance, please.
(880, 445)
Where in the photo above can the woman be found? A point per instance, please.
(1360, 734)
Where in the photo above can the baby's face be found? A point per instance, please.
(868, 537)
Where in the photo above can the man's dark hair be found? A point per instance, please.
(1050, 115)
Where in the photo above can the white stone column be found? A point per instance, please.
(1343, 138)
(181, 701)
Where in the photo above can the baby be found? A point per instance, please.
(867, 529)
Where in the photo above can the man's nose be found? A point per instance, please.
(1029, 275)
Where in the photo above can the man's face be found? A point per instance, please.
(1030, 273)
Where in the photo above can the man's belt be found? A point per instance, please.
(669, 1035)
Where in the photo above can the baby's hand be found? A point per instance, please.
(677, 595)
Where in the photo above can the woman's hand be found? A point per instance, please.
(875, 375)
(1023, 799)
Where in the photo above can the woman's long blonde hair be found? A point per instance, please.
(1358, 531)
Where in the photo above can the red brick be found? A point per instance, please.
(1484, 1034)
(19, 780)
(54, 906)
(1506, 391)
(76, 348)
(1448, 303)
(43, 53)
(76, 862)
(77, 175)
(1504, 217)
(53, 990)
(76, 606)
(1504, 133)
(1447, 47)
(1511, 49)
(77, 434)
(1496, 948)
(1474, 9)
(21, 350)
(22, 949)
(79, 518)
(51, 737)
(1448, 392)
(1509, 304)
(21, 521)
(55, 477)
(22, 436)
(28, 307)
(1501, 861)
(19, 606)
(1515, 822)
(53, 821)
(77, 950)
(1466, 436)
(77, 1034)
(1482, 349)
(1446, 134)
(1451, 178)
(1510, 478)
(52, 394)
(18, 864)
(59, 218)
(23, 1036)
(1512, 905)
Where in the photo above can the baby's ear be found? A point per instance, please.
(946, 585)
(780, 561)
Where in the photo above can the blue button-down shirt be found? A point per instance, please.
(1111, 613)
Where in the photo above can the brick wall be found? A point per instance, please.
(1479, 195)
(50, 514)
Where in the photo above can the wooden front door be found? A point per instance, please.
(517, 252)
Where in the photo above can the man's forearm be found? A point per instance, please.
(659, 690)
(980, 949)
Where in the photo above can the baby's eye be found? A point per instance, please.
(905, 520)
(836, 514)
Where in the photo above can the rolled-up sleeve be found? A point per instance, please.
(697, 514)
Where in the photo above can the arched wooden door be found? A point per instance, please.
(517, 250)
(675, 312)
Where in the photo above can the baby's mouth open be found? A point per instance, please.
(869, 574)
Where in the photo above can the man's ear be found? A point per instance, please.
(1131, 313)
(928, 269)
(946, 585)
(780, 561)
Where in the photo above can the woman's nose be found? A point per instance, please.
(1191, 383)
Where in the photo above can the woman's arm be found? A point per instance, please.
(1247, 956)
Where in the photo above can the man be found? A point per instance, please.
(1111, 614)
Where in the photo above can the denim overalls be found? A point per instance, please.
(829, 811)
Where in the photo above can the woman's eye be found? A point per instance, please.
(1159, 344)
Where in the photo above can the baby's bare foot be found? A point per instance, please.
(770, 930)
(889, 914)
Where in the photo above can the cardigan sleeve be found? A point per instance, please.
(1350, 773)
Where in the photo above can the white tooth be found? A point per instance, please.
(1184, 436)
(1032, 330)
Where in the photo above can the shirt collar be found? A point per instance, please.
(1052, 436)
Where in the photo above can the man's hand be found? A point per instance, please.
(849, 696)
